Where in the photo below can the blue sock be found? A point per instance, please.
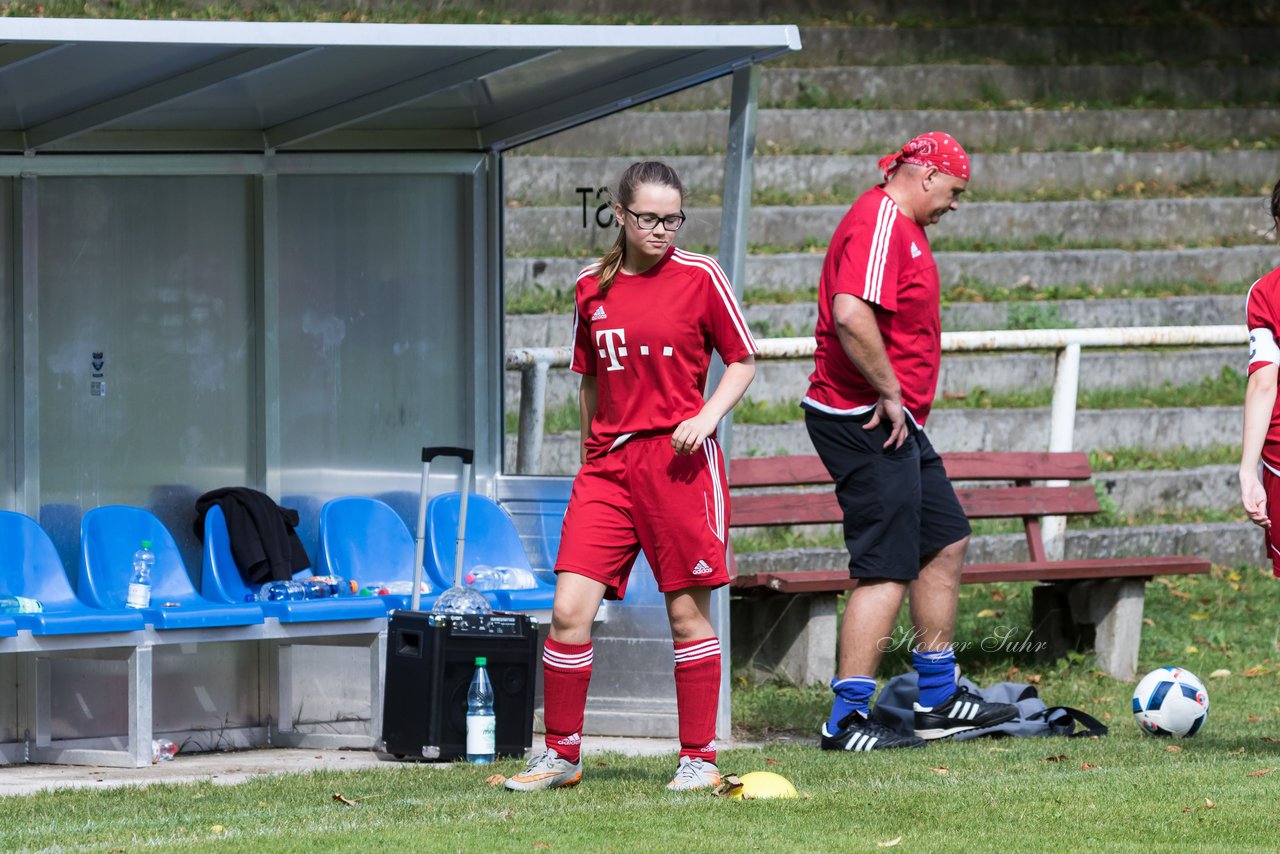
(937, 675)
(853, 693)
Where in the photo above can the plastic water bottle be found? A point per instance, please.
(20, 605)
(162, 750)
(484, 577)
(282, 591)
(324, 586)
(481, 724)
(144, 561)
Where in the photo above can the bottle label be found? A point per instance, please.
(481, 735)
(139, 596)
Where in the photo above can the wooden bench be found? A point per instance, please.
(785, 616)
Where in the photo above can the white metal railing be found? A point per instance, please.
(534, 363)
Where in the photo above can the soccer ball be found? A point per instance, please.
(1170, 701)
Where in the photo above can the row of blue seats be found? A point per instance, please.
(362, 539)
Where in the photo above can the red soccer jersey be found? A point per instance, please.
(648, 342)
(882, 256)
(1262, 309)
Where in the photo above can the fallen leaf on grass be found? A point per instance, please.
(599, 764)
(941, 771)
(1208, 804)
(1033, 679)
(1199, 615)
(987, 613)
(217, 828)
(1173, 748)
(772, 762)
(343, 799)
(1085, 766)
(1061, 757)
(1191, 649)
(495, 779)
(729, 784)
(1221, 673)
(542, 845)
(1257, 670)
(1147, 621)
(1253, 719)
(1261, 772)
(997, 596)
(1186, 809)
(1269, 740)
(889, 843)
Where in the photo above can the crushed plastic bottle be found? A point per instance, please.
(162, 750)
(20, 605)
(484, 577)
(394, 588)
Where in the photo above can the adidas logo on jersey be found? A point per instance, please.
(915, 250)
(701, 568)
(710, 748)
(599, 315)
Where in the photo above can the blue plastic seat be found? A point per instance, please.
(8, 628)
(30, 566)
(108, 538)
(221, 581)
(491, 539)
(365, 540)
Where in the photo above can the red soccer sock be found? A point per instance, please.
(566, 673)
(698, 696)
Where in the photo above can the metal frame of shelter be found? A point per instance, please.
(268, 103)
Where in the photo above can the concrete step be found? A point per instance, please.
(1039, 45)
(1226, 543)
(783, 382)
(784, 320)
(790, 272)
(871, 131)
(1162, 221)
(555, 180)
(913, 86)
(980, 430)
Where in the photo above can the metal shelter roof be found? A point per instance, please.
(114, 85)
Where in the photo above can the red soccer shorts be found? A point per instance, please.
(646, 496)
(1271, 484)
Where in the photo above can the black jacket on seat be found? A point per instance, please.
(263, 540)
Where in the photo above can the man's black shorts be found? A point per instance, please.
(899, 508)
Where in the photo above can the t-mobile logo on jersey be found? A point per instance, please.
(613, 346)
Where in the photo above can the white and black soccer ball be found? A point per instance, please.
(1170, 701)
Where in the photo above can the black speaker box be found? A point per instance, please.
(430, 662)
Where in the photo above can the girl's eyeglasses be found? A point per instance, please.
(649, 221)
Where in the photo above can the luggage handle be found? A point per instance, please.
(467, 455)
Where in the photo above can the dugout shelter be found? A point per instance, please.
(270, 254)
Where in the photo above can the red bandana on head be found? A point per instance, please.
(929, 149)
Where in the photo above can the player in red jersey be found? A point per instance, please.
(876, 366)
(648, 316)
(1261, 445)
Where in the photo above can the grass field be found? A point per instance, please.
(1126, 791)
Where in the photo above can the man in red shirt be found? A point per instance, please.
(875, 372)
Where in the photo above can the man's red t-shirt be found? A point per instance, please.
(1262, 310)
(882, 256)
(648, 342)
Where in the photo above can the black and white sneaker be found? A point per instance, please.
(858, 732)
(963, 711)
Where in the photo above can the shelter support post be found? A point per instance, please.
(1062, 427)
(738, 172)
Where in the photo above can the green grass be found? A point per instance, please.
(561, 418)
(1225, 389)
(1125, 791)
(1145, 459)
(843, 195)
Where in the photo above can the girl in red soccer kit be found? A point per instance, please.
(647, 317)
(1261, 497)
